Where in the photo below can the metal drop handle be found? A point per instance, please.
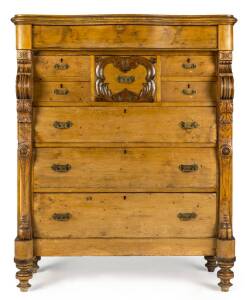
(188, 168)
(187, 216)
(62, 125)
(61, 65)
(188, 91)
(61, 168)
(126, 79)
(188, 125)
(61, 216)
(61, 91)
(188, 65)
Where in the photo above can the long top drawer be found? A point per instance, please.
(125, 36)
(124, 31)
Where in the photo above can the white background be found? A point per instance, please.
(113, 277)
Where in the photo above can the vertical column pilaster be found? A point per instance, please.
(24, 94)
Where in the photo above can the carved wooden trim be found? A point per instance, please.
(225, 111)
(24, 54)
(25, 273)
(123, 19)
(225, 274)
(24, 118)
(125, 64)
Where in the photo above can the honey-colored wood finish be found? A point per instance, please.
(130, 170)
(62, 91)
(124, 36)
(125, 247)
(62, 67)
(189, 91)
(132, 124)
(134, 215)
(124, 138)
(188, 65)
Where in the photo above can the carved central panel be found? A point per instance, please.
(125, 78)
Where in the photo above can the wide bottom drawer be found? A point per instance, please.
(126, 215)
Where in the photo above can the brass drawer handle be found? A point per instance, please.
(62, 125)
(61, 65)
(61, 90)
(126, 79)
(189, 91)
(61, 168)
(188, 125)
(188, 168)
(188, 65)
(61, 216)
(186, 216)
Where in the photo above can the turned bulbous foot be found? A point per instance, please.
(225, 274)
(24, 274)
(211, 263)
(35, 263)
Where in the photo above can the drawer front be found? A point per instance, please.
(64, 67)
(188, 65)
(121, 36)
(130, 124)
(189, 91)
(79, 215)
(62, 91)
(130, 169)
(125, 78)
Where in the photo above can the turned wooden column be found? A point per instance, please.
(24, 80)
(225, 242)
(211, 263)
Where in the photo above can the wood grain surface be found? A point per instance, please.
(124, 36)
(124, 215)
(130, 169)
(132, 124)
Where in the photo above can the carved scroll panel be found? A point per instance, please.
(125, 78)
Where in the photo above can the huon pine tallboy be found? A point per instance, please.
(124, 138)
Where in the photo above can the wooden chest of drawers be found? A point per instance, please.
(124, 138)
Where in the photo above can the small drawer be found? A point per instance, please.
(188, 91)
(125, 169)
(126, 124)
(126, 215)
(62, 91)
(62, 67)
(186, 65)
